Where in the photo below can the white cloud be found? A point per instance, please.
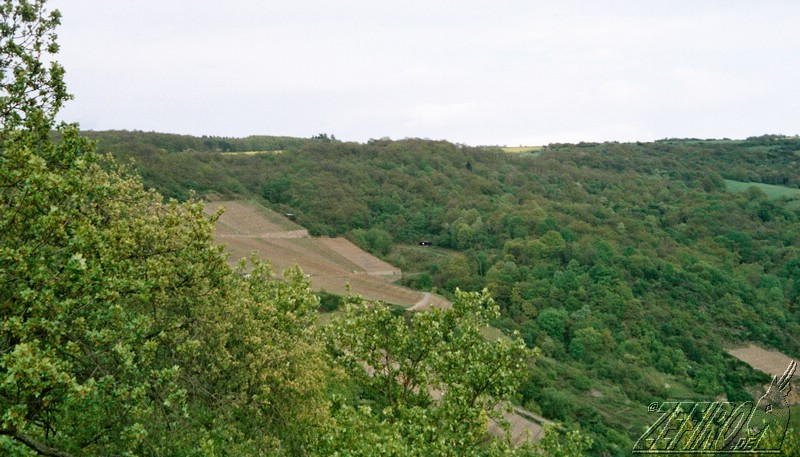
(470, 71)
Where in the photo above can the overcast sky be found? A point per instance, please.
(476, 72)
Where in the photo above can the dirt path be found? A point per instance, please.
(422, 304)
(429, 301)
(269, 235)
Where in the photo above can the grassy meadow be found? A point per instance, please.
(773, 192)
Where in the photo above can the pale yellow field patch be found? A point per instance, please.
(518, 149)
(252, 153)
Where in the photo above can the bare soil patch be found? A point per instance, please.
(332, 264)
(771, 362)
(366, 261)
(249, 218)
(768, 361)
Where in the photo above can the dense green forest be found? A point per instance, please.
(631, 266)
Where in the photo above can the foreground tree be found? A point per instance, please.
(121, 322)
(431, 377)
(27, 83)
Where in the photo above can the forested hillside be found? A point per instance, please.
(630, 265)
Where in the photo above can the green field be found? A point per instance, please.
(526, 150)
(773, 192)
(252, 153)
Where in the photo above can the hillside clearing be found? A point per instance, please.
(518, 149)
(772, 362)
(252, 153)
(333, 264)
(524, 151)
(773, 192)
(246, 217)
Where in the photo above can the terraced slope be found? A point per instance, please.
(331, 263)
(246, 218)
(366, 261)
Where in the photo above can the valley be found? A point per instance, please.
(629, 266)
